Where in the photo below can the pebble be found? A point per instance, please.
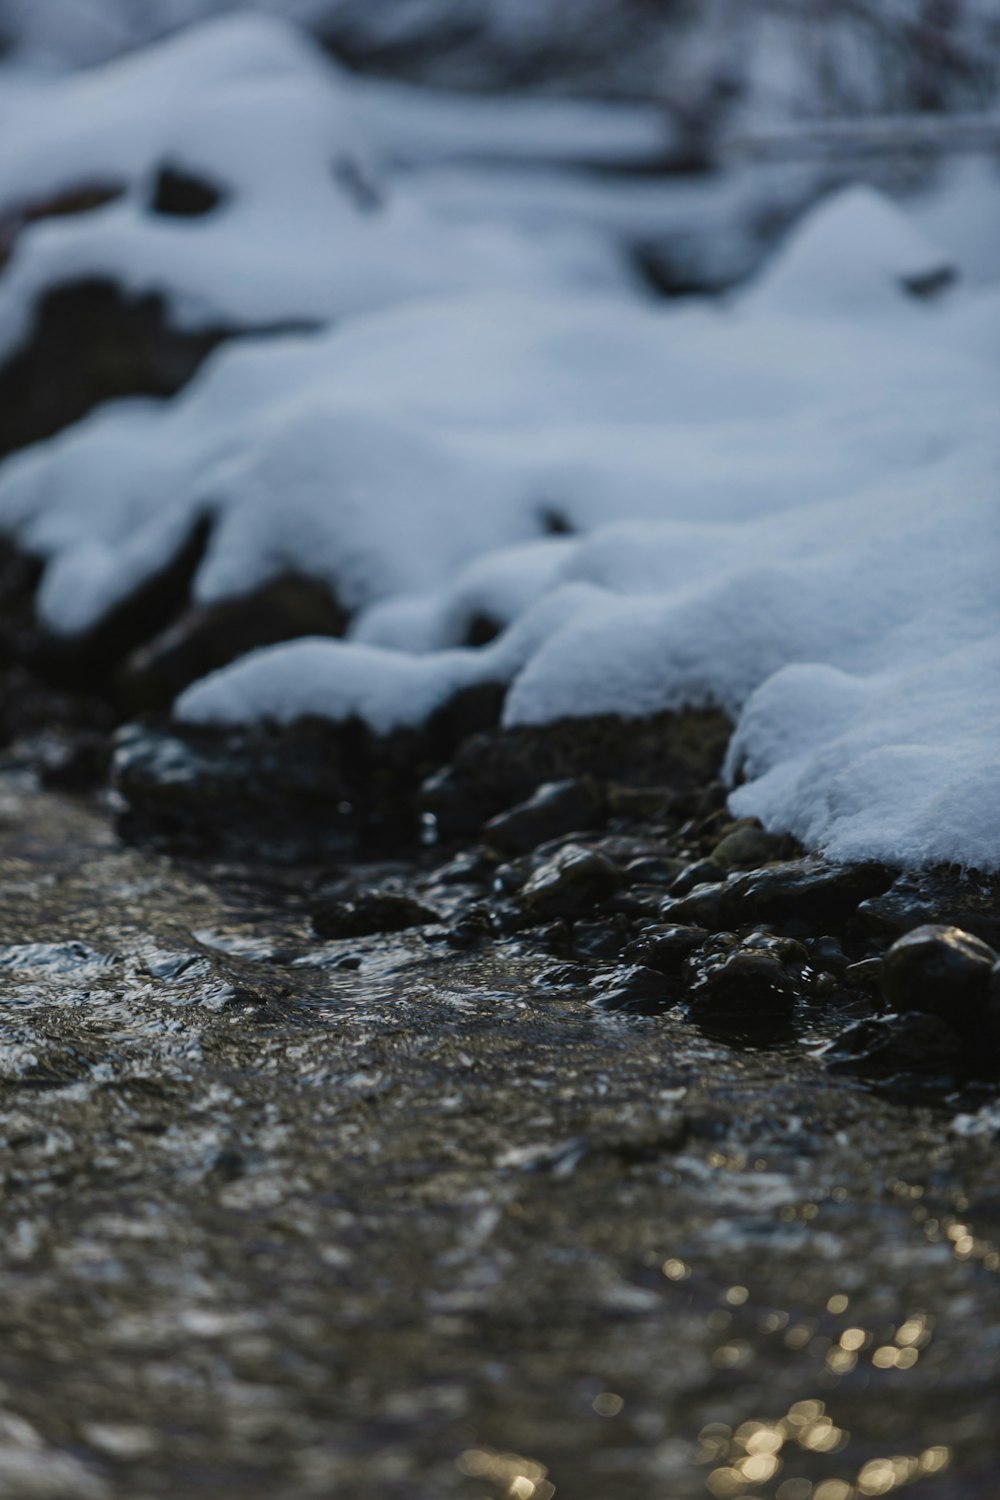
(571, 882)
(634, 991)
(555, 809)
(665, 948)
(940, 969)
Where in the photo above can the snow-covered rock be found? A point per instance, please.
(785, 505)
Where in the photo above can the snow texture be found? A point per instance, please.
(785, 504)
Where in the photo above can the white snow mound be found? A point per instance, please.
(786, 505)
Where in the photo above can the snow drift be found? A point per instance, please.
(785, 504)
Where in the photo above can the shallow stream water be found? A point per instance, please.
(375, 1219)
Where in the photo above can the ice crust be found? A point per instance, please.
(786, 504)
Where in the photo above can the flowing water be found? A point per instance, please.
(375, 1219)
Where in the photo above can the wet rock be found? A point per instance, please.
(600, 939)
(747, 846)
(699, 872)
(473, 927)
(802, 892)
(970, 902)
(759, 973)
(652, 869)
(828, 953)
(665, 948)
(865, 975)
(470, 867)
(208, 637)
(635, 990)
(571, 882)
(701, 907)
(306, 791)
(557, 808)
(917, 1043)
(494, 770)
(939, 969)
(564, 977)
(370, 912)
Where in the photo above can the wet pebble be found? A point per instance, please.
(635, 990)
(665, 948)
(571, 882)
(557, 808)
(940, 969)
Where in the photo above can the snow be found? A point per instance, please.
(309, 227)
(784, 503)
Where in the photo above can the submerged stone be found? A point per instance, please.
(370, 912)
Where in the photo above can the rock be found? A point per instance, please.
(801, 892)
(571, 882)
(473, 927)
(557, 808)
(969, 902)
(942, 970)
(498, 768)
(885, 1045)
(635, 991)
(665, 948)
(865, 975)
(726, 977)
(747, 846)
(701, 907)
(207, 637)
(600, 939)
(700, 872)
(652, 869)
(828, 953)
(370, 912)
(568, 976)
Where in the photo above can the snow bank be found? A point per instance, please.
(307, 226)
(813, 486)
(785, 505)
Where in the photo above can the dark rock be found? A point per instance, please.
(760, 972)
(600, 939)
(179, 193)
(557, 808)
(701, 907)
(306, 791)
(571, 882)
(564, 977)
(370, 912)
(970, 902)
(473, 927)
(92, 342)
(493, 771)
(886, 1045)
(207, 637)
(634, 991)
(700, 872)
(665, 948)
(651, 869)
(865, 975)
(828, 953)
(470, 867)
(939, 969)
(803, 892)
(748, 846)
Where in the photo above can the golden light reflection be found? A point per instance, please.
(837, 1303)
(674, 1269)
(522, 1478)
(607, 1404)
